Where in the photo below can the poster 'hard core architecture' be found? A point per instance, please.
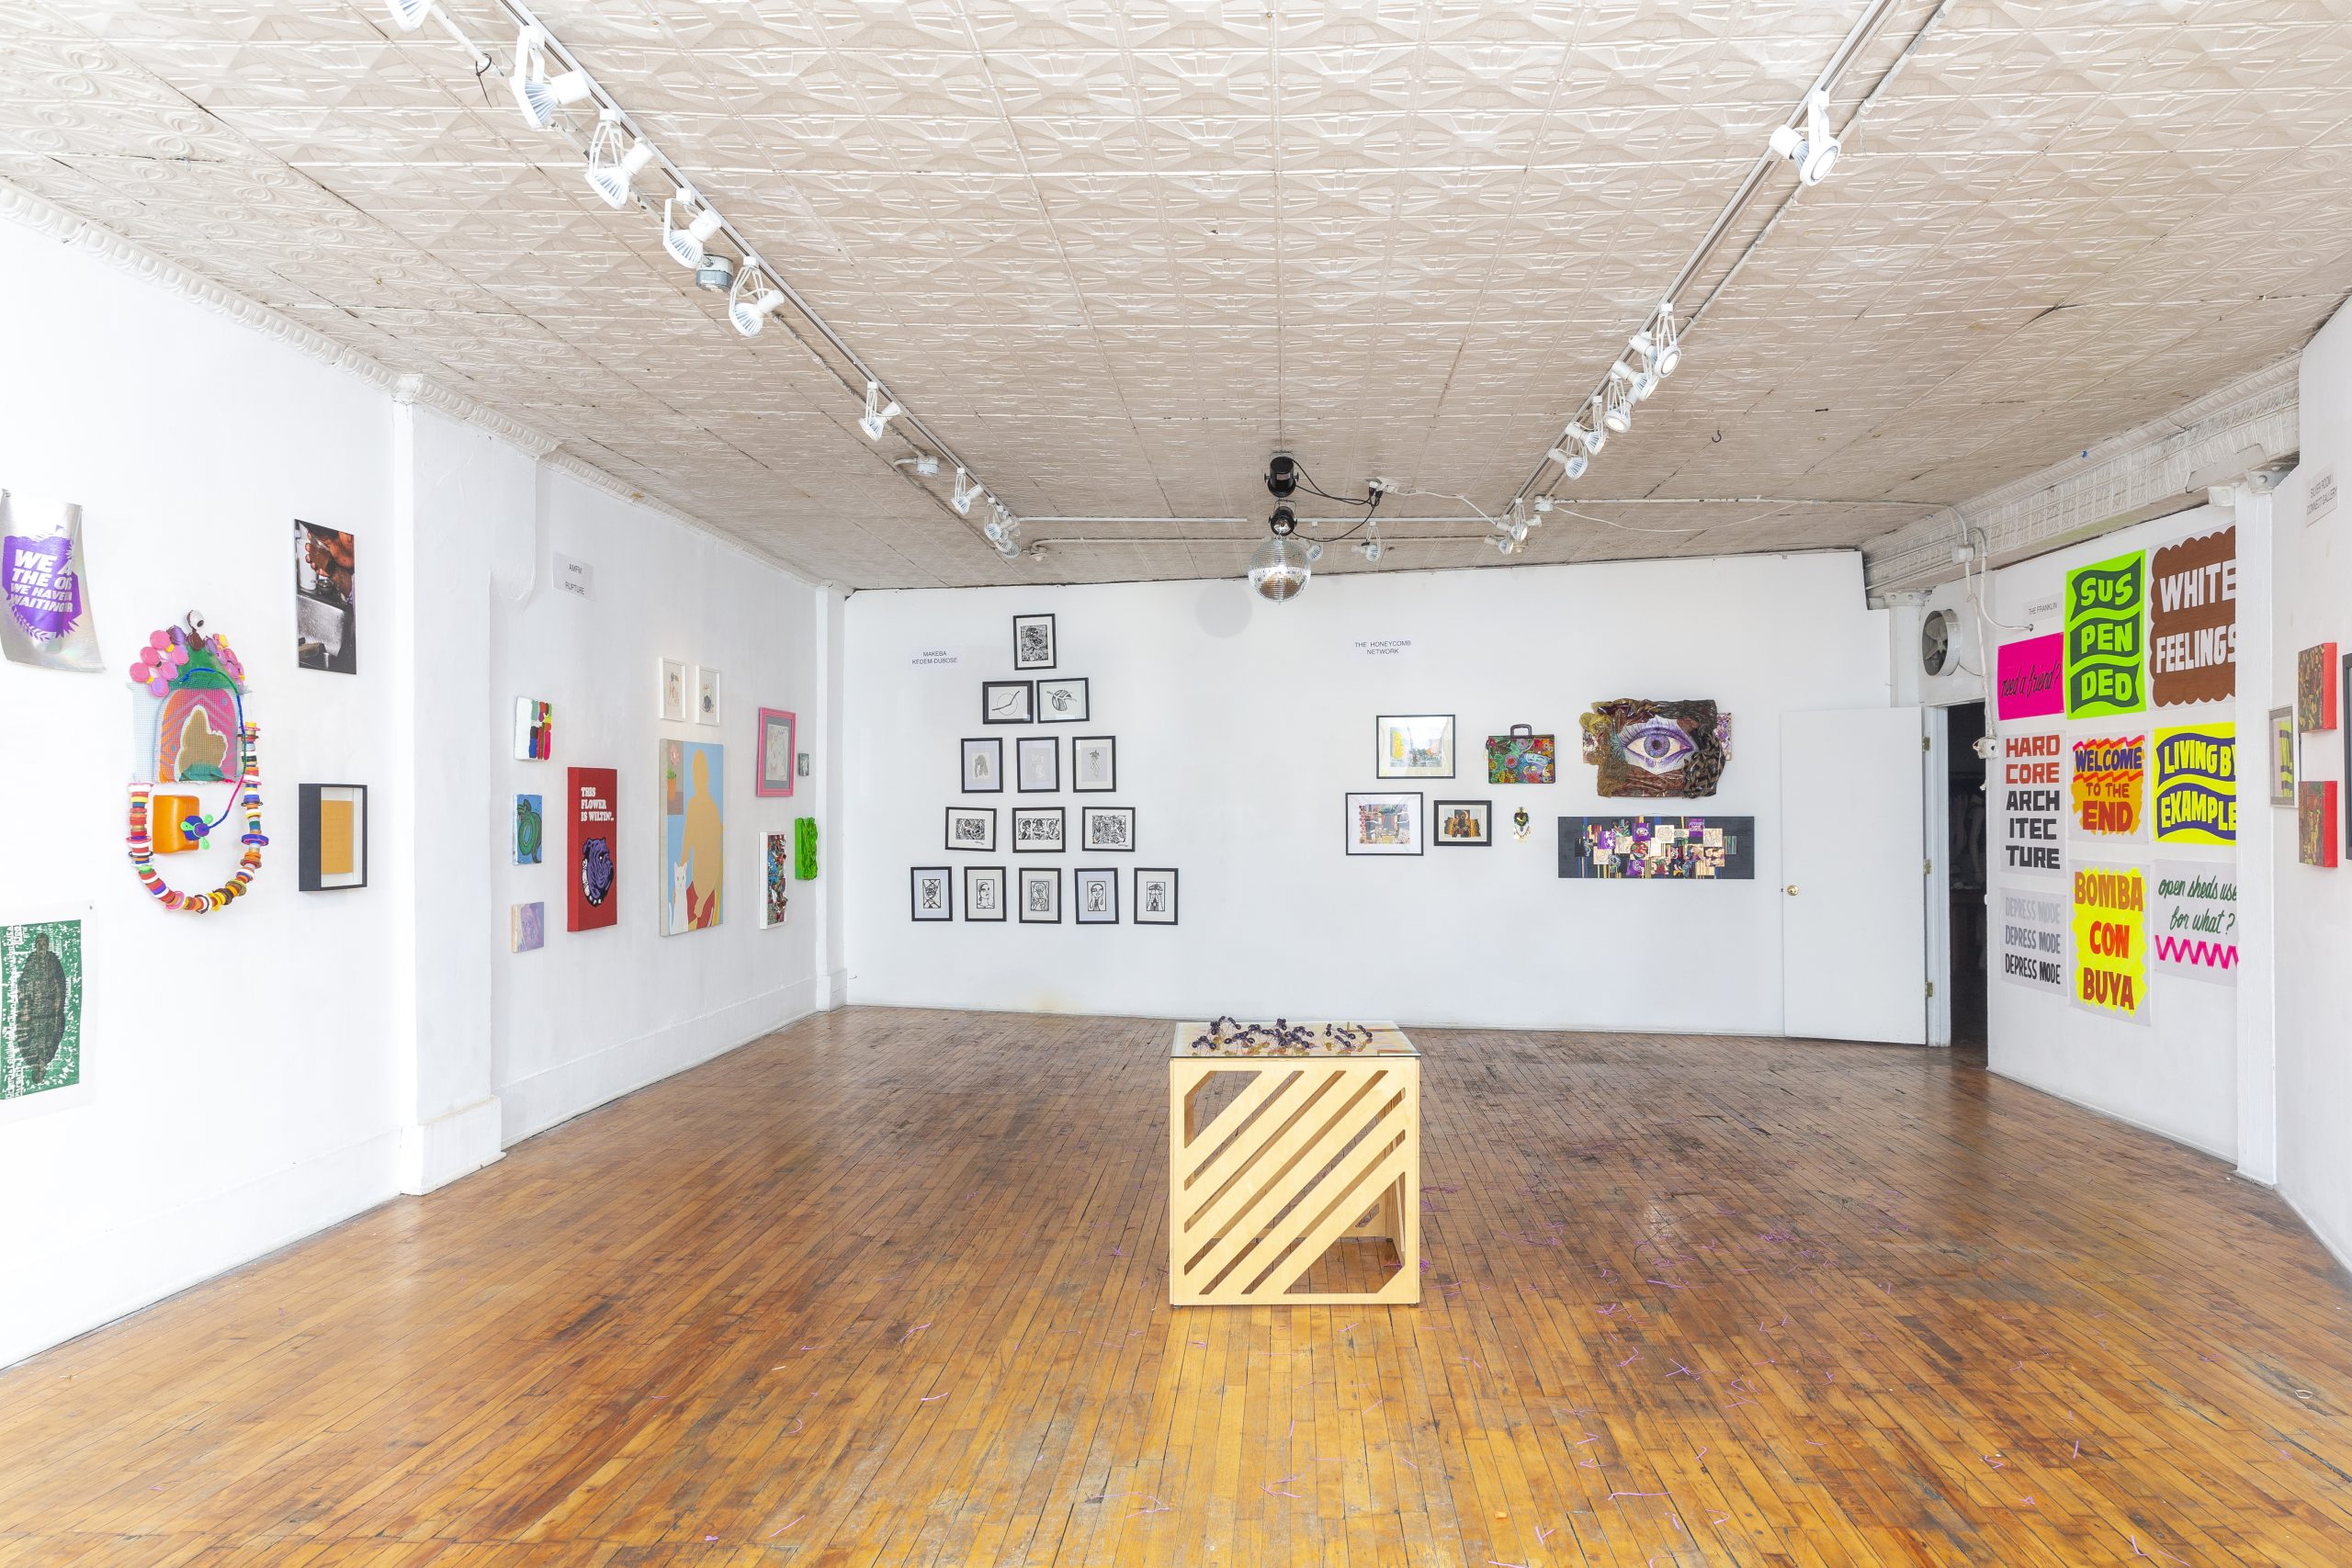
(2029, 800)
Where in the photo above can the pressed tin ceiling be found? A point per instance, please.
(1116, 253)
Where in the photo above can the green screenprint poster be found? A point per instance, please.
(2106, 648)
(41, 1007)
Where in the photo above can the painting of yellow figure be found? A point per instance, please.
(694, 823)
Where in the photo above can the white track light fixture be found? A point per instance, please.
(1592, 431)
(1573, 462)
(966, 490)
(535, 94)
(1813, 150)
(685, 242)
(1667, 347)
(1617, 408)
(610, 168)
(878, 414)
(409, 15)
(753, 300)
(1646, 379)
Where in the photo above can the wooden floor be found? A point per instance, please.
(889, 1288)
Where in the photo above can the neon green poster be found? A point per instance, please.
(2105, 645)
(41, 1008)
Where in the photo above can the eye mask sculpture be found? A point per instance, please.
(1652, 749)
(197, 687)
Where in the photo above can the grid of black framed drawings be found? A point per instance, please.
(1041, 762)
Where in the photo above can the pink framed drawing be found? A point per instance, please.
(776, 736)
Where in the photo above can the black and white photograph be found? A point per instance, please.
(1155, 896)
(1037, 830)
(1041, 896)
(1095, 894)
(929, 892)
(1062, 701)
(984, 765)
(1094, 763)
(1459, 823)
(984, 892)
(1008, 702)
(1032, 642)
(971, 828)
(1108, 828)
(1039, 758)
(326, 603)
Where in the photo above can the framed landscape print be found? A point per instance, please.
(928, 891)
(776, 740)
(1032, 642)
(984, 765)
(984, 892)
(1008, 702)
(1095, 892)
(1155, 896)
(1037, 830)
(1414, 746)
(1094, 762)
(1107, 828)
(1062, 701)
(1384, 823)
(1461, 822)
(972, 827)
(1038, 759)
(1041, 896)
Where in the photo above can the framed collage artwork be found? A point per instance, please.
(1384, 823)
(1413, 746)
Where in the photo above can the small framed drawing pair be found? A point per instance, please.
(683, 699)
(1062, 700)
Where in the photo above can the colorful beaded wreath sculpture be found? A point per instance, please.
(201, 685)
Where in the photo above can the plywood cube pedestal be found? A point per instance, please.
(1317, 1148)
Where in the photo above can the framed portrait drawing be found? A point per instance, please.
(1385, 823)
(2282, 757)
(984, 892)
(1037, 830)
(984, 765)
(928, 891)
(1414, 746)
(1461, 822)
(1038, 759)
(671, 698)
(776, 737)
(972, 827)
(1008, 702)
(1095, 896)
(1062, 701)
(1032, 642)
(1041, 896)
(1155, 896)
(1094, 762)
(705, 694)
(1107, 828)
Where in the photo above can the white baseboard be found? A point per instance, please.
(435, 1153)
(53, 1297)
(536, 1103)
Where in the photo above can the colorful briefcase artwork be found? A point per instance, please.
(1522, 757)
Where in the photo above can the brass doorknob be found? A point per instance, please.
(1791, 890)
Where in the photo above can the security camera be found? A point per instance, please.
(1281, 476)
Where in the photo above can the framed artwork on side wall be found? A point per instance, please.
(1155, 896)
(671, 690)
(1039, 760)
(1461, 822)
(2282, 757)
(983, 893)
(1096, 890)
(972, 827)
(1413, 746)
(334, 837)
(1062, 701)
(929, 894)
(776, 736)
(1008, 702)
(705, 694)
(984, 765)
(2315, 822)
(326, 600)
(776, 876)
(1032, 642)
(1041, 896)
(1385, 823)
(1108, 828)
(2314, 692)
(1037, 830)
(1094, 763)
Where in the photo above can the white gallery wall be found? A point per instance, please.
(2176, 1070)
(2313, 605)
(1241, 725)
(255, 1073)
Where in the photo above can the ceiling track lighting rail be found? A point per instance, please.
(545, 78)
(1655, 349)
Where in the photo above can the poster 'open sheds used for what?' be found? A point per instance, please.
(2195, 929)
(45, 586)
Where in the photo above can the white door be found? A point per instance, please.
(1853, 875)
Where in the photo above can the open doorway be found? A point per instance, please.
(1965, 880)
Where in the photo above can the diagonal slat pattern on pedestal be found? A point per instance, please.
(1284, 1172)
